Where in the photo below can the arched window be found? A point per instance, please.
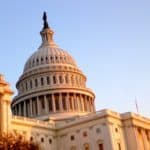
(54, 79)
(46, 59)
(42, 59)
(50, 141)
(37, 61)
(36, 82)
(86, 146)
(42, 81)
(31, 84)
(100, 145)
(60, 79)
(42, 140)
(31, 138)
(48, 80)
(119, 146)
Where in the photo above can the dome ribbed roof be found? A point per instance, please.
(48, 55)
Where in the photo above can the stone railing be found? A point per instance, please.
(33, 121)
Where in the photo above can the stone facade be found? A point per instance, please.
(56, 109)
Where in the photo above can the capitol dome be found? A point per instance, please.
(52, 85)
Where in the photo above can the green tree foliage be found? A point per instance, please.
(16, 142)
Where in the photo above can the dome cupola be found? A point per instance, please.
(52, 85)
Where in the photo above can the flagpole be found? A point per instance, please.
(136, 105)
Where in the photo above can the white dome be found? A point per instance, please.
(48, 55)
(52, 84)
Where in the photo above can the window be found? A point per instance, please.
(100, 146)
(119, 146)
(50, 141)
(31, 84)
(116, 129)
(37, 61)
(31, 138)
(86, 147)
(48, 80)
(42, 81)
(46, 60)
(51, 58)
(72, 137)
(42, 140)
(85, 134)
(98, 130)
(36, 82)
(54, 79)
(60, 79)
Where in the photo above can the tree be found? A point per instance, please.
(16, 142)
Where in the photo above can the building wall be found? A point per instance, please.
(105, 128)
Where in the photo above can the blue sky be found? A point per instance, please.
(108, 39)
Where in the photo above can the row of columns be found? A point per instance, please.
(143, 139)
(59, 102)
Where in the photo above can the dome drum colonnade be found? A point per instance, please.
(51, 83)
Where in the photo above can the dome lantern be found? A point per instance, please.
(47, 33)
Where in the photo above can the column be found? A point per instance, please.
(67, 102)
(72, 103)
(81, 100)
(14, 110)
(25, 111)
(46, 104)
(38, 106)
(31, 111)
(86, 102)
(75, 102)
(149, 138)
(109, 135)
(19, 109)
(136, 144)
(145, 141)
(88, 105)
(91, 104)
(60, 102)
(78, 103)
(53, 103)
(57, 79)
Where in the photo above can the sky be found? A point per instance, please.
(110, 41)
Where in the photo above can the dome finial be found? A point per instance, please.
(45, 21)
